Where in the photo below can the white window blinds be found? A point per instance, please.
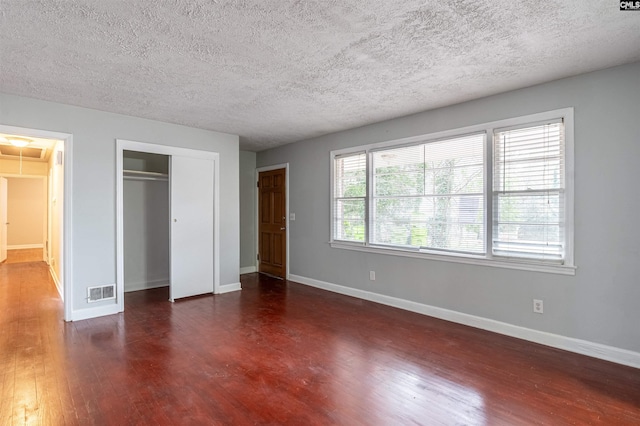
(350, 190)
(430, 196)
(529, 192)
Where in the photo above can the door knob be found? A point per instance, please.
(282, 229)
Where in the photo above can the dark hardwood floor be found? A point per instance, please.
(283, 353)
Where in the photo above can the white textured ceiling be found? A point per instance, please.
(279, 71)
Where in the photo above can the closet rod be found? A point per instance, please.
(150, 178)
(142, 175)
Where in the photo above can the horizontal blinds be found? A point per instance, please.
(350, 189)
(430, 196)
(528, 192)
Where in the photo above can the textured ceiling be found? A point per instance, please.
(276, 72)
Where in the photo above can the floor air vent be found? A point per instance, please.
(104, 292)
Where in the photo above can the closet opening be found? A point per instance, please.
(146, 211)
(167, 221)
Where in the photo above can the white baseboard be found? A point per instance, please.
(146, 285)
(227, 288)
(56, 282)
(82, 314)
(25, 246)
(248, 270)
(583, 347)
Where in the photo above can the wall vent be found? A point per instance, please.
(104, 292)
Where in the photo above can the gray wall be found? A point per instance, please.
(247, 209)
(598, 304)
(94, 180)
(146, 234)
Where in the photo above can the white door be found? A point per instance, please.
(192, 195)
(3, 219)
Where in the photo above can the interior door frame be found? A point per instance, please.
(128, 145)
(66, 240)
(284, 166)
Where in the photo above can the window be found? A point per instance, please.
(528, 192)
(498, 193)
(349, 197)
(430, 196)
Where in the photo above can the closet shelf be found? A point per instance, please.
(141, 175)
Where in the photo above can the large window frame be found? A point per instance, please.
(564, 266)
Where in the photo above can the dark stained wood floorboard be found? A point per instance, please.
(283, 353)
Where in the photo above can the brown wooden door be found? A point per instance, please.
(272, 223)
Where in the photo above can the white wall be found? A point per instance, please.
(247, 211)
(94, 177)
(599, 304)
(26, 207)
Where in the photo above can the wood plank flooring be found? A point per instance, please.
(24, 255)
(283, 353)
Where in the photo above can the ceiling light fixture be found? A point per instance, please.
(19, 142)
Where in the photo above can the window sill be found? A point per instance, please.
(460, 258)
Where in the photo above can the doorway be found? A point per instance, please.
(273, 221)
(193, 218)
(146, 220)
(23, 218)
(43, 157)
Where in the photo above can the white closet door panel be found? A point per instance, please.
(192, 196)
(3, 219)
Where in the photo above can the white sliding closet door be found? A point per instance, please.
(192, 198)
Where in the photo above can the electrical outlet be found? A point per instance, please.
(372, 275)
(538, 306)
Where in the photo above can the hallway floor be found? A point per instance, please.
(23, 255)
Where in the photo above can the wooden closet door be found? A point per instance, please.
(272, 223)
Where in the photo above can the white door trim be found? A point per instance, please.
(257, 210)
(121, 146)
(66, 270)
